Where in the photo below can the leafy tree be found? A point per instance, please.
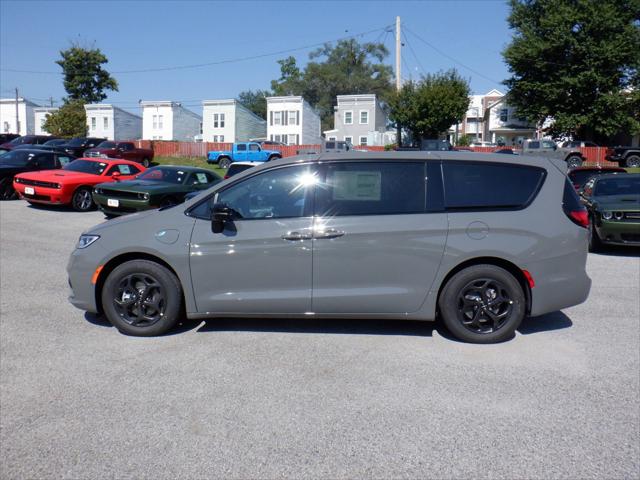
(70, 120)
(431, 105)
(465, 140)
(576, 61)
(256, 101)
(349, 67)
(84, 77)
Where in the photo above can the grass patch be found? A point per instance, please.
(188, 161)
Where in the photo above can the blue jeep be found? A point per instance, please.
(242, 152)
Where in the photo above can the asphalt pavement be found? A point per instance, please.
(307, 398)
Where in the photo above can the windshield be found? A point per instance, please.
(77, 142)
(618, 186)
(86, 166)
(163, 174)
(15, 158)
(107, 145)
(20, 140)
(54, 142)
(580, 177)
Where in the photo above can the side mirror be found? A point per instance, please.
(116, 176)
(220, 215)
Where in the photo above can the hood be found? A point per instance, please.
(10, 169)
(132, 217)
(58, 173)
(139, 185)
(619, 202)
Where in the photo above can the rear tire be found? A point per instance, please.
(482, 304)
(632, 161)
(82, 200)
(274, 157)
(167, 202)
(146, 163)
(574, 161)
(142, 298)
(224, 163)
(7, 192)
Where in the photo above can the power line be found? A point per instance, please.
(208, 64)
(406, 40)
(450, 57)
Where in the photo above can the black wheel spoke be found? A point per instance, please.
(484, 305)
(139, 300)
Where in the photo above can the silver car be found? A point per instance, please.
(479, 240)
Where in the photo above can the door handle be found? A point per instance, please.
(296, 236)
(328, 233)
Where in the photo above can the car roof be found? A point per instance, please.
(613, 175)
(110, 161)
(355, 155)
(597, 168)
(186, 168)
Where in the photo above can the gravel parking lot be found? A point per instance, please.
(307, 398)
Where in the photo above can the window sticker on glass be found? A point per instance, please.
(125, 169)
(201, 177)
(356, 186)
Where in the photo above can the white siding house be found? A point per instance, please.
(25, 116)
(229, 121)
(503, 125)
(112, 123)
(40, 115)
(360, 119)
(166, 120)
(291, 120)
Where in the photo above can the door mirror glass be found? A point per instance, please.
(115, 175)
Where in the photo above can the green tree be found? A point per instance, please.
(349, 67)
(465, 140)
(255, 100)
(576, 61)
(428, 107)
(68, 121)
(84, 77)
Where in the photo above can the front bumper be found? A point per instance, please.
(80, 269)
(619, 232)
(44, 195)
(125, 205)
(614, 158)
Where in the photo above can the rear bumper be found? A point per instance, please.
(614, 158)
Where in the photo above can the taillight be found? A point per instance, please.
(579, 217)
(572, 207)
(226, 176)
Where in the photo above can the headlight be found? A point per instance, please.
(618, 215)
(85, 240)
(143, 196)
(607, 215)
(97, 190)
(57, 186)
(17, 180)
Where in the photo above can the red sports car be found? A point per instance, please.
(73, 184)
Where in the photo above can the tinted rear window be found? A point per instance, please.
(236, 169)
(469, 185)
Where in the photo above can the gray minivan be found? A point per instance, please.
(478, 239)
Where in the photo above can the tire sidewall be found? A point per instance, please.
(224, 163)
(146, 163)
(170, 285)
(74, 203)
(449, 300)
(633, 158)
(574, 161)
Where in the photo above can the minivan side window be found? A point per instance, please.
(372, 188)
(474, 185)
(279, 193)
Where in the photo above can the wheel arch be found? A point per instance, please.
(510, 267)
(126, 257)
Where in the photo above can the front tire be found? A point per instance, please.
(482, 304)
(574, 161)
(224, 163)
(7, 192)
(142, 298)
(632, 161)
(82, 201)
(146, 163)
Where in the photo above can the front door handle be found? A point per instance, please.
(328, 233)
(296, 236)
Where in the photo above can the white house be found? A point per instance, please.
(25, 122)
(360, 120)
(229, 121)
(473, 123)
(166, 120)
(40, 115)
(112, 123)
(291, 120)
(503, 126)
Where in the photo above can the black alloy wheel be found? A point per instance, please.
(482, 304)
(574, 161)
(146, 162)
(142, 298)
(224, 163)
(633, 161)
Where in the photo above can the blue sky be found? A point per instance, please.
(138, 35)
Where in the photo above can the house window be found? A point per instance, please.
(105, 122)
(348, 117)
(221, 138)
(348, 139)
(200, 128)
(293, 139)
(222, 120)
(42, 120)
(363, 141)
(93, 123)
(218, 138)
(504, 114)
(160, 118)
(216, 121)
(277, 120)
(293, 117)
(333, 139)
(155, 122)
(5, 127)
(364, 117)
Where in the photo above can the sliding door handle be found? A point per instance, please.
(328, 233)
(296, 236)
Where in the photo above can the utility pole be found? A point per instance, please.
(398, 77)
(17, 114)
(51, 101)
